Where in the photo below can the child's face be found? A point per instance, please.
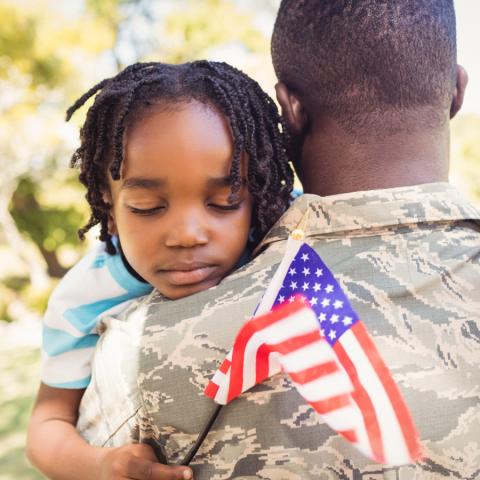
(170, 207)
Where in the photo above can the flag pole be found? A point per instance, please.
(294, 242)
(201, 437)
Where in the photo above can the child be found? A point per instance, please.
(185, 170)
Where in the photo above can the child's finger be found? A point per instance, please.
(142, 469)
(166, 472)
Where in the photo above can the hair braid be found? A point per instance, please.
(122, 100)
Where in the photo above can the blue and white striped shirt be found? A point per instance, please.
(98, 284)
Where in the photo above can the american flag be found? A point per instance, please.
(374, 417)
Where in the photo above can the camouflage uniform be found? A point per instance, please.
(409, 260)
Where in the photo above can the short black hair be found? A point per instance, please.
(348, 58)
(142, 88)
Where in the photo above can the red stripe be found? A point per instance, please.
(312, 373)
(285, 347)
(400, 408)
(262, 363)
(246, 333)
(211, 390)
(330, 404)
(350, 435)
(295, 343)
(362, 399)
(225, 366)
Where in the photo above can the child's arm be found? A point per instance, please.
(56, 448)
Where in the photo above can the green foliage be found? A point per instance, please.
(47, 225)
(21, 46)
(18, 289)
(37, 300)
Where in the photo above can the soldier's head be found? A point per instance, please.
(375, 67)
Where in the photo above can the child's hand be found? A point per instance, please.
(138, 461)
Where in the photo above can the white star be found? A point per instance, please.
(291, 299)
(337, 304)
(293, 285)
(318, 272)
(347, 321)
(306, 271)
(332, 334)
(281, 298)
(322, 331)
(325, 302)
(313, 301)
(329, 288)
(305, 257)
(334, 319)
(292, 271)
(317, 287)
(322, 317)
(305, 286)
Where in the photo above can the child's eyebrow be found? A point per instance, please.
(145, 183)
(154, 183)
(219, 181)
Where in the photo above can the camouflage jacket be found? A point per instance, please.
(409, 260)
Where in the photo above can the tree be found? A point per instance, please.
(39, 53)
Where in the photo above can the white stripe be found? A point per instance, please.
(350, 418)
(395, 449)
(299, 323)
(363, 442)
(106, 286)
(68, 295)
(221, 380)
(314, 354)
(54, 371)
(342, 419)
(274, 364)
(327, 386)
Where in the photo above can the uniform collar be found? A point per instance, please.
(373, 209)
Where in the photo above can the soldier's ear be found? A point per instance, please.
(459, 94)
(293, 111)
(112, 225)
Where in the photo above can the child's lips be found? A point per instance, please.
(187, 274)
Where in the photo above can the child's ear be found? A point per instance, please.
(112, 226)
(292, 109)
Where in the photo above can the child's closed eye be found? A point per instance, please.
(146, 211)
(225, 208)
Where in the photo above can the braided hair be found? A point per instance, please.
(141, 88)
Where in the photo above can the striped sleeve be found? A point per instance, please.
(99, 284)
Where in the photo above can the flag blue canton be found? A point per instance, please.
(309, 276)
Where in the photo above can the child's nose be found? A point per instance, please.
(187, 231)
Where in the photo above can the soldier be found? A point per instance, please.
(367, 89)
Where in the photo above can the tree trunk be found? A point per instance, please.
(25, 250)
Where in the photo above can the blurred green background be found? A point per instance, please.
(50, 53)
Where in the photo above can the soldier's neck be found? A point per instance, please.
(339, 164)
